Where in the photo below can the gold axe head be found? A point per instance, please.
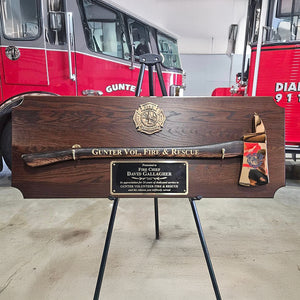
(255, 160)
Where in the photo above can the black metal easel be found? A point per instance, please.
(200, 233)
(150, 60)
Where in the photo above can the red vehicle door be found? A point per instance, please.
(22, 47)
(103, 54)
(60, 44)
(35, 54)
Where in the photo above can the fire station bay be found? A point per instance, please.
(149, 149)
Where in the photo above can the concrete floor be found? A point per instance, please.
(51, 249)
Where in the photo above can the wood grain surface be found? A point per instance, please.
(49, 123)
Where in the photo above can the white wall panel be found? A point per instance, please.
(200, 25)
(205, 72)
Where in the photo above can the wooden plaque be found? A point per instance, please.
(49, 123)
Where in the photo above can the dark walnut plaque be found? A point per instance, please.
(149, 178)
(57, 123)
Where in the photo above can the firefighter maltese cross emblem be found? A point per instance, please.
(149, 118)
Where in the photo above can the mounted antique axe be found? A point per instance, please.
(252, 147)
(255, 160)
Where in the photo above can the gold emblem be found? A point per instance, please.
(149, 118)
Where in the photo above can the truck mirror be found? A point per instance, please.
(233, 30)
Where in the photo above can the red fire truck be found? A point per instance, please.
(273, 32)
(83, 47)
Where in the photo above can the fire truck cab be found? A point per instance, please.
(78, 48)
(273, 33)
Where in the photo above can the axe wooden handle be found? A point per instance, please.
(255, 137)
(221, 150)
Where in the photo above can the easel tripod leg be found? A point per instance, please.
(161, 80)
(204, 247)
(156, 218)
(106, 247)
(151, 87)
(140, 80)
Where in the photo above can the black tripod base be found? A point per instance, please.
(156, 218)
(106, 247)
(204, 247)
(200, 232)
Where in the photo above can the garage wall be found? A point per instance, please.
(202, 28)
(200, 25)
(206, 72)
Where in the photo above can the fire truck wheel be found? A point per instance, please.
(6, 143)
